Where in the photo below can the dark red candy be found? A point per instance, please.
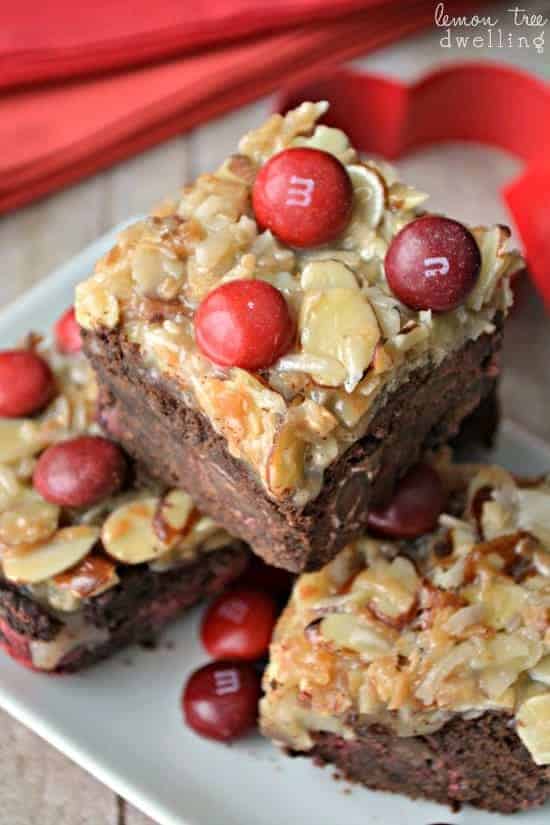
(261, 576)
(67, 333)
(239, 624)
(220, 700)
(244, 324)
(304, 196)
(416, 505)
(26, 383)
(433, 263)
(80, 471)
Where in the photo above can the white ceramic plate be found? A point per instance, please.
(122, 720)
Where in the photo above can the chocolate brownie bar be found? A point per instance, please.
(290, 374)
(480, 428)
(423, 413)
(134, 610)
(423, 667)
(77, 583)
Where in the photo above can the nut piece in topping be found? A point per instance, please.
(90, 577)
(26, 383)
(541, 671)
(245, 324)
(389, 588)
(32, 564)
(96, 306)
(433, 263)
(19, 438)
(369, 193)
(286, 462)
(340, 325)
(331, 140)
(360, 635)
(128, 534)
(28, 519)
(80, 471)
(304, 196)
(327, 275)
(153, 266)
(533, 727)
(173, 516)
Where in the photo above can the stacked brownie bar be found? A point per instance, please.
(286, 338)
(94, 555)
(423, 667)
(285, 341)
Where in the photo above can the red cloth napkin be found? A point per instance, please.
(41, 42)
(52, 134)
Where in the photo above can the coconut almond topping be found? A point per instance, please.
(355, 338)
(56, 552)
(412, 641)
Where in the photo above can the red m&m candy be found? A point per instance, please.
(433, 263)
(220, 700)
(80, 471)
(239, 624)
(304, 196)
(26, 383)
(67, 333)
(273, 580)
(416, 505)
(244, 324)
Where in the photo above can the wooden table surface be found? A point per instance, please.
(38, 784)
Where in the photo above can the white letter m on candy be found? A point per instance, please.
(226, 681)
(299, 194)
(440, 266)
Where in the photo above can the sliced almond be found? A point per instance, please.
(151, 265)
(128, 533)
(96, 305)
(489, 478)
(202, 535)
(541, 671)
(36, 563)
(390, 589)
(238, 167)
(348, 631)
(402, 196)
(326, 371)
(340, 324)
(327, 275)
(328, 139)
(382, 361)
(28, 520)
(93, 575)
(369, 189)
(174, 516)
(533, 727)
(285, 465)
(19, 438)
(534, 514)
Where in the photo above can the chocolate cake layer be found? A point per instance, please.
(133, 611)
(480, 428)
(149, 416)
(478, 761)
